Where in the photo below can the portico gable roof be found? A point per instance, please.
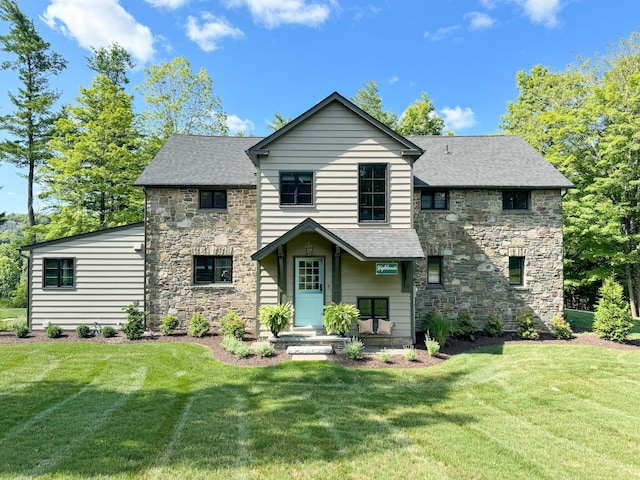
(365, 244)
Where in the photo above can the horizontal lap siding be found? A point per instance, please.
(109, 275)
(331, 144)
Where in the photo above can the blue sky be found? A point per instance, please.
(267, 56)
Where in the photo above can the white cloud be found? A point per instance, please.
(212, 30)
(235, 124)
(273, 13)
(366, 11)
(544, 12)
(442, 33)
(170, 4)
(479, 20)
(103, 24)
(392, 80)
(458, 118)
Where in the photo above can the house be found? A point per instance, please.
(86, 279)
(335, 206)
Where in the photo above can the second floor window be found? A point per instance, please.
(213, 199)
(296, 188)
(372, 192)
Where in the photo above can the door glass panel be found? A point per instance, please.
(309, 275)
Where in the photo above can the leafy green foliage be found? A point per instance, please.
(136, 322)
(420, 118)
(231, 324)
(560, 328)
(83, 331)
(236, 346)
(108, 332)
(465, 327)
(437, 326)
(493, 327)
(10, 270)
(369, 100)
(526, 326)
(339, 317)
(410, 353)
(276, 317)
(169, 324)
(199, 326)
(264, 349)
(21, 330)
(385, 356)
(433, 347)
(29, 127)
(278, 122)
(353, 348)
(612, 320)
(53, 331)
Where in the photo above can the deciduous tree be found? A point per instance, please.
(420, 118)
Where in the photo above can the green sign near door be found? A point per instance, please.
(387, 268)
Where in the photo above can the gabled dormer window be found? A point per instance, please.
(372, 192)
(213, 199)
(296, 188)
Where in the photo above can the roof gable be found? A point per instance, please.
(261, 148)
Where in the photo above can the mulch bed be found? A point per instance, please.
(369, 360)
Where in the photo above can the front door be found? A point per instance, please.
(309, 296)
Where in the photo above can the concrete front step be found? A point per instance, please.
(309, 350)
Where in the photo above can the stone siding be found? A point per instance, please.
(476, 237)
(176, 230)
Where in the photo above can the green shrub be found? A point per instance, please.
(242, 350)
(353, 348)
(439, 327)
(169, 324)
(433, 347)
(136, 322)
(21, 330)
(560, 328)
(276, 317)
(54, 331)
(4, 326)
(339, 317)
(198, 326)
(108, 332)
(526, 326)
(465, 327)
(385, 357)
(83, 331)
(233, 325)
(410, 353)
(612, 320)
(493, 327)
(236, 346)
(264, 349)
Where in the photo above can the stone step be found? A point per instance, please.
(309, 350)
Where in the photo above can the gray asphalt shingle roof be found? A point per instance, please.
(495, 161)
(483, 161)
(192, 160)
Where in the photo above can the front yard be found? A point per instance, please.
(169, 410)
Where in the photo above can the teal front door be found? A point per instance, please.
(309, 296)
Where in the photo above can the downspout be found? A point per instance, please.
(29, 272)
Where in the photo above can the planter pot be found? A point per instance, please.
(275, 333)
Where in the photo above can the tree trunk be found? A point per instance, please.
(31, 214)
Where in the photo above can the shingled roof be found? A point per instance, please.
(192, 160)
(494, 161)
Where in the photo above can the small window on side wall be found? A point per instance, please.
(296, 188)
(213, 199)
(59, 273)
(434, 200)
(212, 269)
(516, 199)
(434, 270)
(516, 271)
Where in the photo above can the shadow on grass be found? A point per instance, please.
(249, 418)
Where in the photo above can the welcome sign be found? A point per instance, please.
(387, 268)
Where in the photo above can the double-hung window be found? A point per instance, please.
(59, 273)
(296, 188)
(212, 269)
(516, 199)
(434, 200)
(372, 192)
(213, 199)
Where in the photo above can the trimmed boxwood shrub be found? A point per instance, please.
(21, 330)
(493, 327)
(169, 324)
(108, 332)
(199, 326)
(54, 331)
(83, 331)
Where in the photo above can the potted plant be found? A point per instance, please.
(276, 317)
(339, 317)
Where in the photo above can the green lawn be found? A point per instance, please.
(81, 410)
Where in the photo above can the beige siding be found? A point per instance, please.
(331, 144)
(359, 280)
(109, 275)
